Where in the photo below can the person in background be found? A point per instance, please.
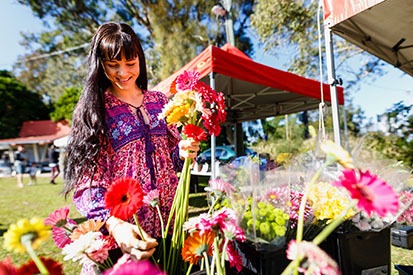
(32, 172)
(54, 163)
(20, 165)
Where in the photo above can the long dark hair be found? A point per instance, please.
(88, 125)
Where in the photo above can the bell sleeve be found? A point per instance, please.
(89, 193)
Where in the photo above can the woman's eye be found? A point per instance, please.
(111, 65)
(131, 64)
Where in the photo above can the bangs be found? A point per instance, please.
(112, 46)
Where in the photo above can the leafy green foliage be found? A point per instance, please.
(289, 28)
(172, 33)
(65, 105)
(398, 143)
(18, 105)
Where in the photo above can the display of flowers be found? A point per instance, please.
(213, 235)
(194, 103)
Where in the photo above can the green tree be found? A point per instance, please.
(289, 28)
(65, 105)
(172, 33)
(18, 105)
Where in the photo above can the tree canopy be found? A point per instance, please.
(172, 33)
(18, 105)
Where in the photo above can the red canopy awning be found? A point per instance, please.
(253, 90)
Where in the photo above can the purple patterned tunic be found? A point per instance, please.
(131, 148)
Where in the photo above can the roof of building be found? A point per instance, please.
(41, 131)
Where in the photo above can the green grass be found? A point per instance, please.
(37, 200)
(40, 200)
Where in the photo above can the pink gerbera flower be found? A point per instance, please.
(135, 267)
(372, 193)
(187, 80)
(220, 185)
(234, 258)
(58, 218)
(232, 231)
(317, 261)
(61, 236)
(152, 198)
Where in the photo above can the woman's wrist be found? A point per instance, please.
(112, 223)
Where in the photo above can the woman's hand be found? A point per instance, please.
(129, 240)
(188, 148)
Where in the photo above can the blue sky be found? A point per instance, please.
(374, 97)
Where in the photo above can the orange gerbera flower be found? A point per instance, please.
(195, 245)
(87, 226)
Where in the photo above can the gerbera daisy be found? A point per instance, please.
(61, 236)
(341, 156)
(30, 268)
(234, 258)
(7, 267)
(180, 114)
(187, 80)
(124, 197)
(58, 218)
(220, 185)
(152, 198)
(78, 249)
(33, 229)
(87, 226)
(317, 261)
(372, 193)
(195, 245)
(194, 132)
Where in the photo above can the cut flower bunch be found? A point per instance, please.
(193, 103)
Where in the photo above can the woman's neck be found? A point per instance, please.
(132, 96)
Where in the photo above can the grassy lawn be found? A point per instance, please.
(43, 198)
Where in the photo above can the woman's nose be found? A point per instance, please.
(121, 70)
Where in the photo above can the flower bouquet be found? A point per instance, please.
(81, 242)
(193, 103)
(213, 235)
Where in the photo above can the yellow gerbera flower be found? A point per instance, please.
(342, 156)
(179, 114)
(33, 228)
(328, 201)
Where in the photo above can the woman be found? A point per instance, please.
(116, 133)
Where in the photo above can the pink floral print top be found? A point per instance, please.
(132, 148)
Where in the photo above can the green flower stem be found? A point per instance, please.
(189, 269)
(163, 238)
(27, 242)
(206, 263)
(218, 257)
(215, 203)
(96, 263)
(333, 225)
(142, 237)
(181, 212)
(139, 227)
(68, 229)
(224, 250)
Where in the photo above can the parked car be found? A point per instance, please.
(5, 170)
(222, 153)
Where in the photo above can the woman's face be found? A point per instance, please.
(122, 73)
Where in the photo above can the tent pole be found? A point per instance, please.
(333, 84)
(213, 139)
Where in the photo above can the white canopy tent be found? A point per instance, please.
(383, 28)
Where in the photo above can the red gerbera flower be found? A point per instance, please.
(124, 197)
(372, 193)
(30, 268)
(194, 132)
(7, 267)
